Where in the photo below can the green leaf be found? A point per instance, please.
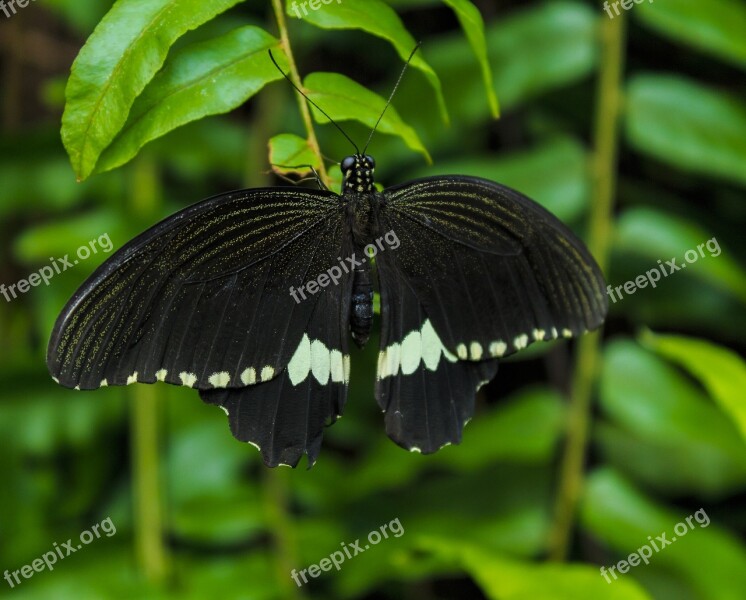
(534, 51)
(656, 407)
(688, 125)
(201, 79)
(721, 371)
(504, 509)
(526, 428)
(473, 26)
(117, 61)
(715, 26)
(374, 17)
(540, 49)
(706, 557)
(506, 579)
(342, 98)
(660, 236)
(289, 150)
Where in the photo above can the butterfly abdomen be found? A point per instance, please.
(361, 315)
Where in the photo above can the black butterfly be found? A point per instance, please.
(218, 297)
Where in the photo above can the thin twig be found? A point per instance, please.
(589, 348)
(313, 142)
(150, 547)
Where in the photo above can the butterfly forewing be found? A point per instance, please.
(202, 299)
(493, 270)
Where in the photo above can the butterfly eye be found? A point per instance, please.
(347, 164)
(371, 161)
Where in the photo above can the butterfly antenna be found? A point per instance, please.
(396, 85)
(321, 110)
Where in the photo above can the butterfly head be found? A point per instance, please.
(357, 172)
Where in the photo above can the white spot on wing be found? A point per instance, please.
(539, 334)
(415, 449)
(104, 383)
(55, 379)
(431, 346)
(423, 345)
(320, 362)
(554, 333)
(498, 348)
(346, 364)
(225, 410)
(132, 378)
(248, 377)
(187, 379)
(220, 380)
(393, 358)
(521, 341)
(267, 373)
(300, 364)
(566, 333)
(475, 348)
(161, 375)
(411, 351)
(337, 367)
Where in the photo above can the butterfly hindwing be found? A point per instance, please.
(481, 272)
(284, 417)
(426, 393)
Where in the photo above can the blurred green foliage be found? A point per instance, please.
(669, 422)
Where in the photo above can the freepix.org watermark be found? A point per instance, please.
(336, 558)
(334, 274)
(10, 292)
(312, 4)
(645, 552)
(626, 5)
(9, 6)
(653, 276)
(61, 551)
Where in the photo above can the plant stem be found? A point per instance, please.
(313, 142)
(150, 549)
(280, 523)
(599, 237)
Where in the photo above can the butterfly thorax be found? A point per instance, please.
(357, 173)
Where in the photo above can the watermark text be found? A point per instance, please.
(10, 292)
(336, 558)
(49, 559)
(645, 552)
(312, 4)
(653, 276)
(334, 274)
(626, 5)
